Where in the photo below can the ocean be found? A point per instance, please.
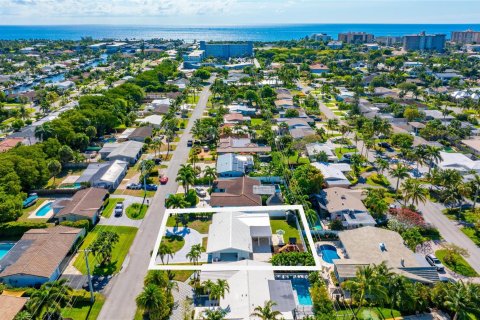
(264, 33)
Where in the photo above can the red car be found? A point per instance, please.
(163, 180)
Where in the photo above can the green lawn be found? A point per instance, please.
(112, 202)
(256, 122)
(339, 152)
(472, 234)
(377, 180)
(136, 211)
(369, 314)
(198, 222)
(182, 275)
(127, 234)
(27, 211)
(461, 267)
(174, 242)
(82, 309)
(291, 230)
(302, 160)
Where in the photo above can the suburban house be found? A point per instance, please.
(39, 256)
(437, 115)
(284, 104)
(367, 245)
(473, 145)
(10, 143)
(11, 306)
(107, 175)
(298, 127)
(154, 120)
(252, 288)
(235, 118)
(86, 204)
(233, 165)
(141, 133)
(128, 151)
(237, 108)
(458, 161)
(333, 173)
(237, 192)
(232, 236)
(314, 149)
(319, 68)
(240, 145)
(345, 205)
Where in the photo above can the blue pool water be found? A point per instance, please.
(328, 253)
(44, 210)
(300, 285)
(4, 248)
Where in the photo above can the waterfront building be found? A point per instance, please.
(424, 42)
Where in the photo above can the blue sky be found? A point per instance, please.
(237, 12)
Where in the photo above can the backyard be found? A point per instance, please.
(119, 252)
(290, 229)
(197, 221)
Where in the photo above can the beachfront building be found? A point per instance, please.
(465, 37)
(356, 37)
(424, 42)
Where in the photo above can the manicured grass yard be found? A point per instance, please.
(370, 314)
(291, 230)
(462, 267)
(182, 275)
(377, 180)
(339, 152)
(198, 222)
(174, 242)
(135, 193)
(256, 122)
(472, 234)
(81, 308)
(112, 202)
(120, 251)
(136, 211)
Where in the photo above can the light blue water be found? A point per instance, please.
(44, 210)
(302, 286)
(226, 33)
(4, 248)
(328, 253)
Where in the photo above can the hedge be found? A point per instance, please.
(85, 224)
(18, 228)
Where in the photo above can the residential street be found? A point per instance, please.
(123, 289)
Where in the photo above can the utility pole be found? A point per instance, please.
(90, 286)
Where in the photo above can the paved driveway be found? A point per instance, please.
(125, 287)
(123, 220)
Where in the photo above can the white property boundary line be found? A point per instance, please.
(234, 267)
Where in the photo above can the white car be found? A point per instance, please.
(201, 192)
(434, 262)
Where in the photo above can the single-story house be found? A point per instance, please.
(370, 245)
(233, 165)
(11, 306)
(313, 149)
(345, 205)
(447, 76)
(10, 143)
(240, 145)
(233, 235)
(237, 192)
(128, 151)
(458, 161)
(252, 289)
(154, 120)
(473, 145)
(141, 133)
(437, 115)
(125, 134)
(235, 118)
(319, 68)
(284, 104)
(86, 204)
(237, 108)
(39, 256)
(333, 173)
(107, 175)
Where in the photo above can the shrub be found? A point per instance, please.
(18, 228)
(408, 218)
(191, 198)
(293, 259)
(77, 224)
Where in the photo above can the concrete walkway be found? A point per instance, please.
(180, 296)
(192, 237)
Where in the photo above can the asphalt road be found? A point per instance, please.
(125, 287)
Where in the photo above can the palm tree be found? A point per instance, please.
(214, 314)
(157, 146)
(195, 253)
(414, 191)
(266, 312)
(475, 185)
(186, 176)
(217, 290)
(153, 301)
(210, 173)
(332, 124)
(433, 155)
(364, 285)
(165, 251)
(462, 299)
(399, 172)
(50, 298)
(381, 165)
(176, 201)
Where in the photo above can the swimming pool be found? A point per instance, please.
(44, 209)
(4, 248)
(300, 285)
(328, 253)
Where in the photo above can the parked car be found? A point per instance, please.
(151, 187)
(434, 262)
(118, 212)
(119, 205)
(201, 192)
(134, 186)
(163, 180)
(189, 143)
(157, 160)
(206, 148)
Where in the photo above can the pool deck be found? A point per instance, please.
(49, 214)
